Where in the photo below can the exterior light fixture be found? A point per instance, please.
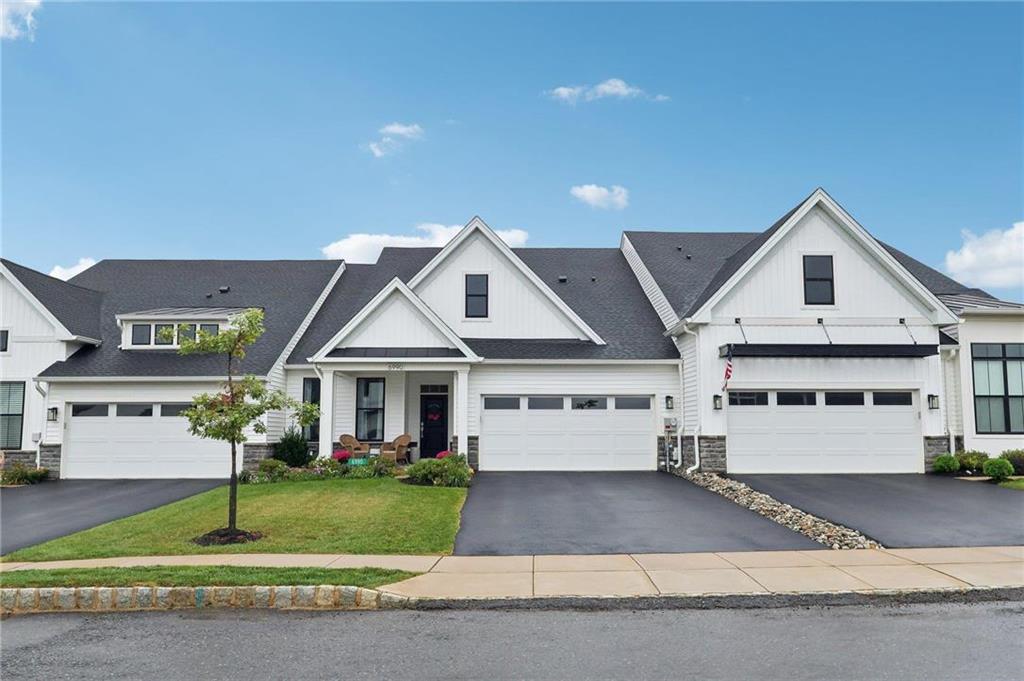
(716, 401)
(51, 414)
(933, 401)
(669, 403)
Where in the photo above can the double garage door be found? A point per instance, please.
(568, 433)
(816, 431)
(138, 441)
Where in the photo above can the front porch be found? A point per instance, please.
(376, 401)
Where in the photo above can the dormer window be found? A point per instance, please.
(212, 329)
(141, 334)
(476, 296)
(164, 334)
(819, 286)
(186, 331)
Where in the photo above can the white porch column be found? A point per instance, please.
(462, 409)
(326, 445)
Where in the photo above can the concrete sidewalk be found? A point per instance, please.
(753, 572)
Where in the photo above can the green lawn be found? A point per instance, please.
(320, 516)
(206, 575)
(1013, 484)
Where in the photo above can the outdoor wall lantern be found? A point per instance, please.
(669, 402)
(933, 401)
(51, 414)
(716, 401)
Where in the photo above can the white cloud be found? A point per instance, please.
(596, 196)
(17, 19)
(613, 87)
(993, 259)
(365, 248)
(392, 136)
(66, 273)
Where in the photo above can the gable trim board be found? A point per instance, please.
(477, 225)
(940, 314)
(648, 283)
(396, 286)
(62, 330)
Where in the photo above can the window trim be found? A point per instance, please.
(149, 334)
(174, 334)
(466, 295)
(831, 280)
(1002, 360)
(383, 404)
(20, 415)
(5, 341)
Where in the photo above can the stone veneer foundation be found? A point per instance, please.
(253, 453)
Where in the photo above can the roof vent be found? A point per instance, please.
(562, 279)
(688, 256)
(209, 295)
(593, 279)
(679, 248)
(224, 289)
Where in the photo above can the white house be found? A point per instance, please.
(844, 354)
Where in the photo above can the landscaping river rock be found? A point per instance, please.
(820, 530)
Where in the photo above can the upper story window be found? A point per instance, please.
(168, 334)
(212, 329)
(163, 334)
(998, 370)
(819, 284)
(141, 334)
(476, 296)
(4, 338)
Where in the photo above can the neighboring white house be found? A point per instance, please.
(843, 354)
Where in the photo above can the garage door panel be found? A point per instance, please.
(568, 439)
(140, 447)
(824, 438)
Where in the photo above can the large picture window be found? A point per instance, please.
(311, 395)
(370, 409)
(998, 370)
(12, 410)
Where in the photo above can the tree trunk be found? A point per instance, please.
(233, 492)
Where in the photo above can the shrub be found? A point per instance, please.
(20, 474)
(360, 472)
(1016, 459)
(946, 463)
(451, 471)
(382, 468)
(327, 468)
(998, 469)
(293, 449)
(252, 478)
(274, 470)
(971, 461)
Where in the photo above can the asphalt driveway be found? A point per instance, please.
(906, 511)
(593, 513)
(38, 513)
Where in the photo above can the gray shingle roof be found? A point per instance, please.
(614, 305)
(689, 282)
(285, 289)
(77, 308)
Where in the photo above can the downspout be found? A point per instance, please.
(42, 429)
(682, 419)
(946, 389)
(696, 426)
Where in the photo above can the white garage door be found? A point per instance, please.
(824, 432)
(138, 441)
(568, 433)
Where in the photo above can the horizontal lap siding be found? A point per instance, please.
(621, 379)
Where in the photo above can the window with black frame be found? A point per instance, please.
(998, 370)
(370, 409)
(819, 281)
(12, 410)
(476, 296)
(311, 395)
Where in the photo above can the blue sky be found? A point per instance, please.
(271, 130)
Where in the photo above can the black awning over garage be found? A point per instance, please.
(826, 350)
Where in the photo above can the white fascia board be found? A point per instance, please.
(478, 225)
(62, 331)
(941, 313)
(136, 379)
(394, 285)
(657, 297)
(992, 312)
(635, 362)
(360, 364)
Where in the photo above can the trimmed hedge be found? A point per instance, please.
(20, 474)
(998, 469)
(451, 471)
(946, 464)
(971, 462)
(1016, 458)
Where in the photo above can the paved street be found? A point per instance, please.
(983, 641)
(38, 513)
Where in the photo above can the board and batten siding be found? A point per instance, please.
(516, 307)
(638, 378)
(396, 323)
(648, 284)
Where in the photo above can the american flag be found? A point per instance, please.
(728, 369)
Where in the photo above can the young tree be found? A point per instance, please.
(240, 405)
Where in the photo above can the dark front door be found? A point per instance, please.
(434, 424)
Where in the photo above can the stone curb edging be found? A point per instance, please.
(141, 598)
(327, 598)
(825, 532)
